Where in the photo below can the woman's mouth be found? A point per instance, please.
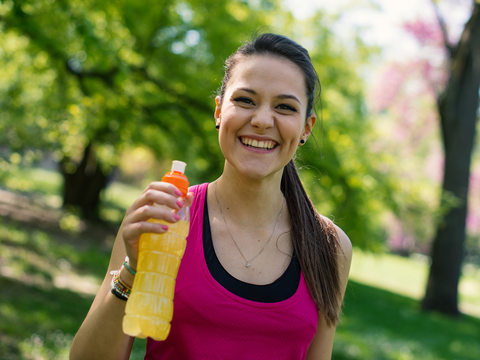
(258, 144)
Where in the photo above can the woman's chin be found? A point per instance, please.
(258, 172)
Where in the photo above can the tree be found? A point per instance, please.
(88, 79)
(439, 86)
(457, 107)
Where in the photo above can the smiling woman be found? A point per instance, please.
(265, 102)
(264, 274)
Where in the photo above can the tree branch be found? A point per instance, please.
(191, 101)
(443, 27)
(458, 61)
(107, 77)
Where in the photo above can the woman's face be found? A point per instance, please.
(262, 115)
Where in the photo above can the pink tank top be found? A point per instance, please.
(210, 322)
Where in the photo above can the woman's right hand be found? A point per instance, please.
(136, 219)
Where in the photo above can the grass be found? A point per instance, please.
(49, 276)
(382, 325)
(40, 313)
(408, 277)
(48, 286)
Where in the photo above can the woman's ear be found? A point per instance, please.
(218, 110)
(309, 125)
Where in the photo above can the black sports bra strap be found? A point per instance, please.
(281, 289)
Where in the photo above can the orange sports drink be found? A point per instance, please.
(149, 309)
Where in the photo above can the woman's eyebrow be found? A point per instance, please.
(287, 96)
(282, 96)
(251, 91)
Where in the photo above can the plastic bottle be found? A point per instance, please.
(149, 309)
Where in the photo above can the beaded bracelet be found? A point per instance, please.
(119, 288)
(128, 267)
(119, 295)
(123, 281)
(118, 292)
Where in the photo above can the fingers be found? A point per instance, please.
(133, 231)
(147, 212)
(160, 193)
(159, 201)
(189, 199)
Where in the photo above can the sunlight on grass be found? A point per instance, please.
(405, 276)
(408, 277)
(32, 260)
(122, 194)
(40, 347)
(379, 324)
(48, 285)
(31, 179)
(47, 186)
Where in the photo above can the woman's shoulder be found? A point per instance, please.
(343, 240)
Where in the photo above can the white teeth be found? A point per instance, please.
(267, 145)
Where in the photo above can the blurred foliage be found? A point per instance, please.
(350, 176)
(136, 81)
(118, 75)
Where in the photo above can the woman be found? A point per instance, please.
(264, 274)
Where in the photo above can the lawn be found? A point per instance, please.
(380, 325)
(50, 273)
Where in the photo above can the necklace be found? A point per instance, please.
(247, 264)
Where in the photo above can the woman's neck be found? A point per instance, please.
(246, 201)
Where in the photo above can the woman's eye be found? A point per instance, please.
(243, 100)
(286, 107)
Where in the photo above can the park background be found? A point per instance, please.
(97, 98)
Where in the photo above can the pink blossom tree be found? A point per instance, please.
(445, 77)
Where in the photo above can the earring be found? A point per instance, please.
(217, 126)
(302, 141)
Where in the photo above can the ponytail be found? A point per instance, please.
(315, 244)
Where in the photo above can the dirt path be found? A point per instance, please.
(33, 212)
(29, 209)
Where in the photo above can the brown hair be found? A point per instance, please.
(314, 237)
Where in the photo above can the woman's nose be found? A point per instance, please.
(263, 118)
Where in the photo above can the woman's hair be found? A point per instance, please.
(314, 237)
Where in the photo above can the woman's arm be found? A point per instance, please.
(101, 335)
(322, 344)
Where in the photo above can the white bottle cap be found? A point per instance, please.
(178, 166)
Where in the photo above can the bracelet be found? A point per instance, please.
(118, 292)
(119, 295)
(119, 288)
(123, 281)
(128, 267)
(121, 285)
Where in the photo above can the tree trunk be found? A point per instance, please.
(458, 114)
(82, 186)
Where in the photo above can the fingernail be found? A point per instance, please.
(178, 192)
(164, 227)
(180, 203)
(176, 217)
